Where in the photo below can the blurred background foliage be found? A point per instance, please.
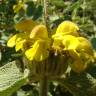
(82, 12)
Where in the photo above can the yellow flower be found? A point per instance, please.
(67, 39)
(70, 42)
(66, 42)
(38, 52)
(80, 50)
(77, 45)
(80, 63)
(67, 28)
(17, 40)
(57, 44)
(11, 41)
(78, 66)
(39, 32)
(33, 40)
(85, 46)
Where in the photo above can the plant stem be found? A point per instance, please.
(43, 86)
(45, 12)
(43, 91)
(46, 17)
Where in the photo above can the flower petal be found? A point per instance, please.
(74, 54)
(38, 52)
(68, 28)
(78, 66)
(85, 46)
(11, 41)
(19, 45)
(39, 31)
(70, 42)
(21, 38)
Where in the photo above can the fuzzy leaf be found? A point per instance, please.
(11, 79)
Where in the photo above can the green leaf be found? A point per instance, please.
(83, 84)
(38, 12)
(93, 41)
(30, 9)
(58, 4)
(11, 79)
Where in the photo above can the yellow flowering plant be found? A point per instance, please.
(33, 40)
(51, 48)
(49, 57)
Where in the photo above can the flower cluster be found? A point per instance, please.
(34, 42)
(79, 48)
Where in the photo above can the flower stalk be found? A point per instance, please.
(45, 12)
(43, 86)
(43, 91)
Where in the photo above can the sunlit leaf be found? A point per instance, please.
(18, 7)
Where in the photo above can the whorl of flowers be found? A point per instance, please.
(35, 43)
